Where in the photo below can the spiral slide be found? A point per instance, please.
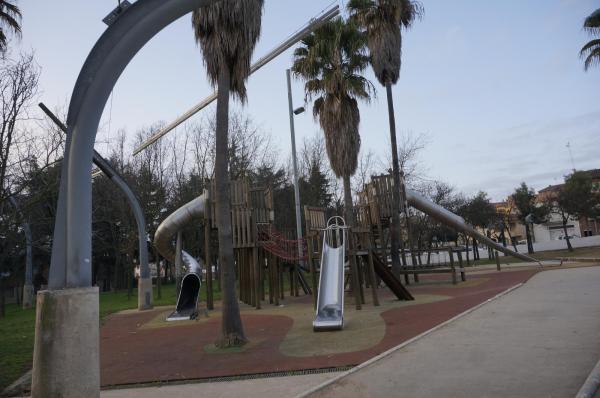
(187, 302)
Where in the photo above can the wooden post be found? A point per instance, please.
(373, 280)
(313, 271)
(354, 270)
(414, 265)
(452, 267)
(497, 262)
(281, 277)
(208, 265)
(276, 284)
(271, 277)
(258, 280)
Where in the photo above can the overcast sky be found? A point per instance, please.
(497, 87)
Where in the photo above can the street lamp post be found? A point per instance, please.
(295, 166)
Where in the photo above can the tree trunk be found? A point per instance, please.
(2, 302)
(565, 221)
(349, 215)
(397, 245)
(502, 237)
(528, 236)
(232, 330)
(467, 249)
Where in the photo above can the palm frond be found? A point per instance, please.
(331, 60)
(227, 32)
(10, 17)
(592, 23)
(383, 21)
(592, 59)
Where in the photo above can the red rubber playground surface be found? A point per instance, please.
(132, 353)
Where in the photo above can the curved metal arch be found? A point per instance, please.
(72, 248)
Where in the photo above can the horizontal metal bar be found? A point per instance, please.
(314, 24)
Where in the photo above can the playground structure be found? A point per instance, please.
(375, 207)
(262, 254)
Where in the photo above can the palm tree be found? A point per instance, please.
(591, 51)
(10, 18)
(227, 33)
(330, 60)
(383, 21)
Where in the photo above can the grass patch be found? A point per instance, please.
(16, 343)
(17, 328)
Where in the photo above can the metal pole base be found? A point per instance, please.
(145, 294)
(27, 296)
(66, 360)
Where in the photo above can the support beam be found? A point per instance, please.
(145, 301)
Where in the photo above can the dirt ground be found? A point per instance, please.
(140, 347)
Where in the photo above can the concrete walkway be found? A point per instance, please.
(275, 387)
(541, 340)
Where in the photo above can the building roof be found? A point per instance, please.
(594, 173)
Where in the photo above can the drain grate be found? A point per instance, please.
(233, 377)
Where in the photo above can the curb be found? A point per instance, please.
(591, 386)
(580, 259)
(410, 341)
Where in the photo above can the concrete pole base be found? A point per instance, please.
(145, 294)
(66, 360)
(27, 296)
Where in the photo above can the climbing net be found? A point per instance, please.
(275, 242)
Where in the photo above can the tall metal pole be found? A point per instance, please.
(295, 164)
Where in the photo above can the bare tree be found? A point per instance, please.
(18, 88)
(364, 171)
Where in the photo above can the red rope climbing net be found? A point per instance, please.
(276, 242)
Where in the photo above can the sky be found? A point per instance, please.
(497, 87)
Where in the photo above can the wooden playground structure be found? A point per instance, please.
(267, 260)
(263, 255)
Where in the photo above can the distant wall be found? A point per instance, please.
(562, 244)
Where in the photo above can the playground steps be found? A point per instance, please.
(390, 280)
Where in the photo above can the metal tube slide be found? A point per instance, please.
(187, 302)
(330, 298)
(447, 217)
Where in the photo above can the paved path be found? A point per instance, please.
(275, 387)
(541, 340)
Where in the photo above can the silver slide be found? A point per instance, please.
(330, 298)
(187, 302)
(447, 217)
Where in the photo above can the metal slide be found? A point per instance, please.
(187, 302)
(330, 298)
(447, 217)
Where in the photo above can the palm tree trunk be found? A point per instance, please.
(232, 330)
(349, 215)
(395, 228)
